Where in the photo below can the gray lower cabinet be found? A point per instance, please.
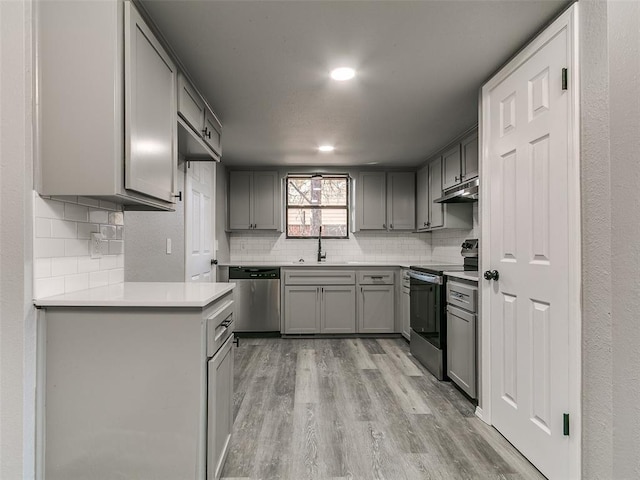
(376, 309)
(461, 349)
(301, 309)
(219, 409)
(338, 309)
(319, 309)
(254, 200)
(106, 105)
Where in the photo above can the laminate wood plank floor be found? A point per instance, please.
(356, 408)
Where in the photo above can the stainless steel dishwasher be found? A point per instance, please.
(257, 294)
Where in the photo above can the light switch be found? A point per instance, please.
(168, 246)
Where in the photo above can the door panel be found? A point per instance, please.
(190, 105)
(266, 200)
(435, 191)
(240, 191)
(451, 167)
(150, 109)
(372, 201)
(338, 309)
(528, 135)
(470, 157)
(423, 198)
(301, 309)
(401, 193)
(199, 222)
(376, 309)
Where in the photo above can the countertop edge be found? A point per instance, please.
(68, 300)
(462, 275)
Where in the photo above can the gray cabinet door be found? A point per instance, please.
(212, 132)
(461, 349)
(240, 198)
(376, 309)
(470, 153)
(436, 210)
(451, 167)
(422, 198)
(301, 309)
(150, 111)
(338, 309)
(401, 200)
(190, 105)
(220, 409)
(372, 201)
(266, 196)
(406, 314)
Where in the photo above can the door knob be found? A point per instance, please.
(491, 275)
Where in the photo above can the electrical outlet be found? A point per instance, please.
(95, 245)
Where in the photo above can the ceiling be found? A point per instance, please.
(264, 68)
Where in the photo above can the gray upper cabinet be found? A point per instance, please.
(372, 201)
(436, 210)
(98, 134)
(386, 201)
(150, 105)
(431, 215)
(202, 121)
(451, 167)
(422, 198)
(469, 148)
(254, 200)
(401, 203)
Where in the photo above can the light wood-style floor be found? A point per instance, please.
(356, 409)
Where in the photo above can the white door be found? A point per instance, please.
(527, 121)
(199, 222)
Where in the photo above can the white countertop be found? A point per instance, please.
(141, 294)
(468, 275)
(402, 264)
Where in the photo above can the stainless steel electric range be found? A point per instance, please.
(428, 309)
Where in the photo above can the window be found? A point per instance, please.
(318, 201)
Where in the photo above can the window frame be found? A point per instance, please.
(347, 206)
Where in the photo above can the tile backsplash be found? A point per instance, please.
(62, 230)
(439, 246)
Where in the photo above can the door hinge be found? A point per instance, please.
(565, 421)
(565, 78)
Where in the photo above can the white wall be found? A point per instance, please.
(63, 231)
(17, 315)
(610, 69)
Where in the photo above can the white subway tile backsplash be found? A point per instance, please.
(88, 264)
(98, 279)
(64, 266)
(75, 212)
(46, 287)
(64, 229)
(86, 229)
(61, 244)
(42, 267)
(43, 228)
(48, 247)
(46, 208)
(108, 262)
(73, 283)
(116, 276)
(98, 216)
(76, 247)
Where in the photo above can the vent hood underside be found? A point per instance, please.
(464, 193)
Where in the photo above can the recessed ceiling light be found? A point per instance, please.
(326, 148)
(343, 73)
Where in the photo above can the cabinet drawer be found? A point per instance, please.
(219, 325)
(376, 277)
(320, 277)
(462, 295)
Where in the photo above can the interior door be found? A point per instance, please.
(199, 222)
(528, 239)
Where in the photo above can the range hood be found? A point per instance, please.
(464, 193)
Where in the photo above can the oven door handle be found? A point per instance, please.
(425, 277)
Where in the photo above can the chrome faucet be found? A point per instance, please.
(321, 256)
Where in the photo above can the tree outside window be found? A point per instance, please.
(315, 201)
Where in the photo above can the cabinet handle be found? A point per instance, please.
(426, 224)
(384, 225)
(391, 226)
(206, 133)
(458, 179)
